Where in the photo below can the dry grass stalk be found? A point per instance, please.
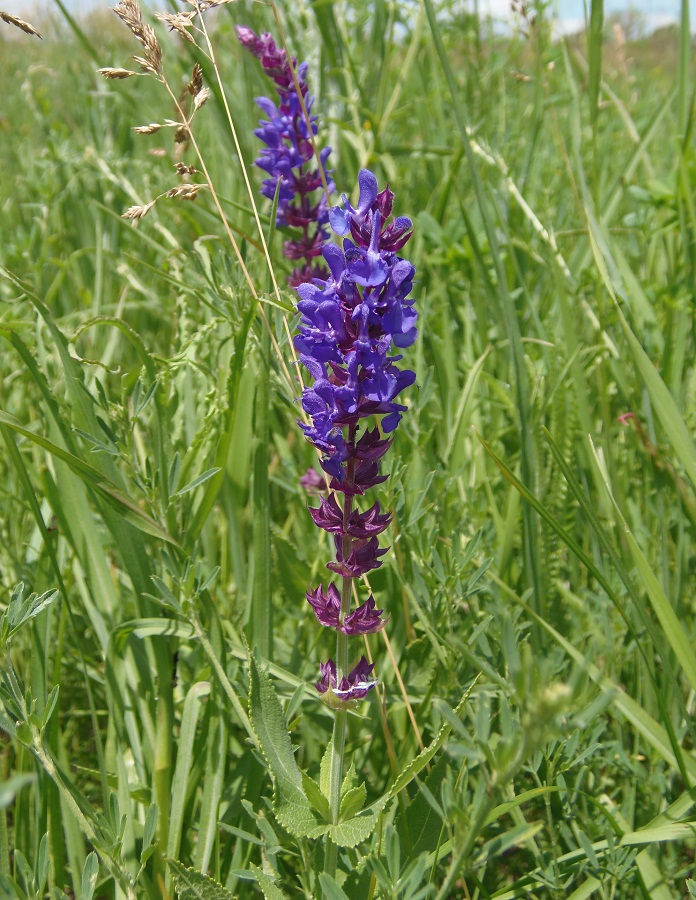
(19, 23)
(109, 72)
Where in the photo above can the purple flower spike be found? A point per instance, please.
(351, 322)
(354, 686)
(289, 158)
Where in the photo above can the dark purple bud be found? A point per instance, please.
(330, 517)
(327, 672)
(326, 605)
(365, 619)
(363, 557)
(248, 39)
(371, 445)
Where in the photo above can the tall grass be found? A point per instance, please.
(533, 732)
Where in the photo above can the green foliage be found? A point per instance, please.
(534, 733)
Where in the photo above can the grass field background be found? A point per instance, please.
(542, 482)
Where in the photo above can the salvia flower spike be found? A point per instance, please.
(351, 323)
(289, 159)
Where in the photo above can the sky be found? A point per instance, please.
(569, 12)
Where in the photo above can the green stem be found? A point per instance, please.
(338, 739)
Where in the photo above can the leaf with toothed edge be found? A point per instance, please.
(270, 889)
(192, 885)
(290, 804)
(421, 761)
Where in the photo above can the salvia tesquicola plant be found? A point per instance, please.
(353, 323)
(356, 315)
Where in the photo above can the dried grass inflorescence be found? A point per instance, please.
(131, 15)
(19, 23)
(179, 22)
(129, 12)
(116, 73)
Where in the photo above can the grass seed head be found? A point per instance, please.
(19, 23)
(201, 98)
(129, 13)
(196, 83)
(138, 212)
(184, 191)
(117, 73)
(179, 22)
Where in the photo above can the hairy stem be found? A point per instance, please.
(338, 739)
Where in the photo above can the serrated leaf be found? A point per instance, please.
(355, 830)
(270, 889)
(352, 802)
(421, 761)
(192, 885)
(291, 806)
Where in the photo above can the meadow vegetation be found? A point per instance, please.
(540, 583)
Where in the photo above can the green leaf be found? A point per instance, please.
(144, 628)
(421, 761)
(89, 876)
(270, 889)
(673, 628)
(189, 721)
(20, 611)
(352, 802)
(193, 885)
(96, 480)
(192, 485)
(291, 806)
(149, 830)
(316, 797)
(358, 829)
(330, 890)
(10, 788)
(503, 842)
